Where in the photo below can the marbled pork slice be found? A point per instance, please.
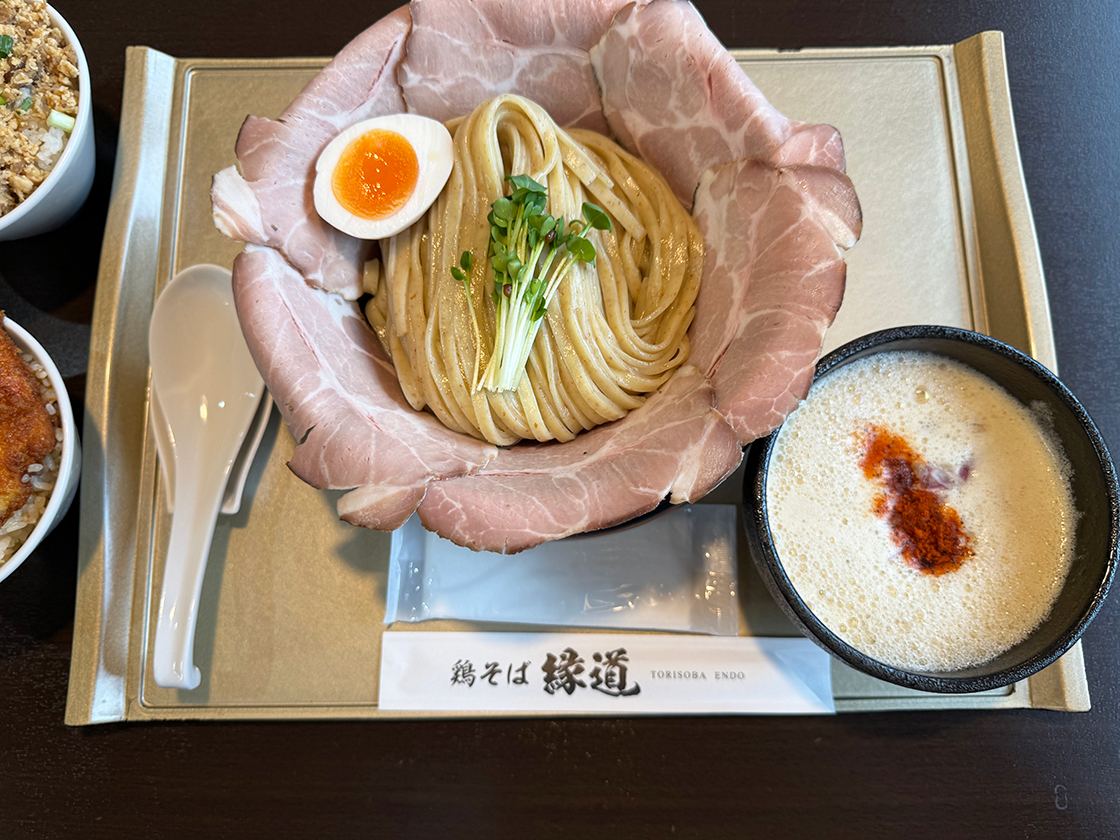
(339, 395)
(815, 144)
(358, 83)
(676, 445)
(269, 215)
(270, 202)
(460, 54)
(672, 94)
(773, 281)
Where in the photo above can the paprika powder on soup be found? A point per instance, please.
(929, 532)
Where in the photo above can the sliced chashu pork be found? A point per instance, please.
(812, 143)
(676, 445)
(672, 94)
(461, 54)
(340, 398)
(269, 201)
(773, 281)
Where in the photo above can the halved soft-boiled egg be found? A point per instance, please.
(379, 176)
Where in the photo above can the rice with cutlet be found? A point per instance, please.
(21, 458)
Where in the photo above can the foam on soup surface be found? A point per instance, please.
(922, 512)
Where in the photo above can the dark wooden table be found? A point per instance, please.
(971, 774)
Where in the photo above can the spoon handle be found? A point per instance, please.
(199, 485)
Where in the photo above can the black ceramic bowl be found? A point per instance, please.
(1095, 498)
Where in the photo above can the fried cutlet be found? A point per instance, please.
(26, 428)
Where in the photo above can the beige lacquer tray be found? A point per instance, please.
(292, 612)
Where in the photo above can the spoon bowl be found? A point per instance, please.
(208, 389)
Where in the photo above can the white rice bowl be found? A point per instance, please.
(54, 480)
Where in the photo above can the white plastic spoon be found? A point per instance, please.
(208, 389)
(239, 474)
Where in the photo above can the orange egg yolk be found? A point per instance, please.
(376, 174)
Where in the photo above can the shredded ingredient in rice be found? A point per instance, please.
(30, 443)
(38, 78)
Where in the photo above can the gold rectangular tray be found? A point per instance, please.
(293, 601)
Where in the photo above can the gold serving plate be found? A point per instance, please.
(292, 607)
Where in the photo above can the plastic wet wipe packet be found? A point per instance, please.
(675, 572)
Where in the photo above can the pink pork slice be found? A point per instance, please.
(460, 54)
(270, 201)
(339, 395)
(812, 143)
(675, 446)
(773, 281)
(672, 94)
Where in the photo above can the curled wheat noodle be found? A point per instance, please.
(614, 332)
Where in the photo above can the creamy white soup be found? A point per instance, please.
(922, 512)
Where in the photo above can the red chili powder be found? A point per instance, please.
(928, 531)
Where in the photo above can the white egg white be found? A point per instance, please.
(434, 154)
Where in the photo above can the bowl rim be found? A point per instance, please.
(755, 508)
(69, 461)
(82, 123)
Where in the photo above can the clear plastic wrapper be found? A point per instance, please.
(675, 572)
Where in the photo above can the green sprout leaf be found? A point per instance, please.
(584, 251)
(502, 209)
(596, 217)
(524, 182)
